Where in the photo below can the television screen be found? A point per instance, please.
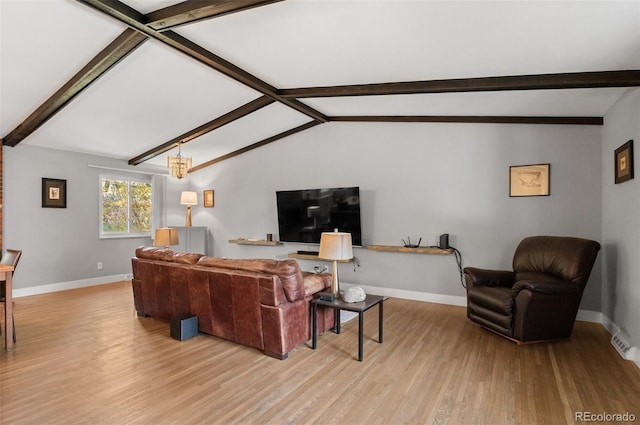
(304, 214)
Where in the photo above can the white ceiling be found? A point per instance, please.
(156, 93)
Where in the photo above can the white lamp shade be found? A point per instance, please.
(189, 198)
(335, 246)
(166, 236)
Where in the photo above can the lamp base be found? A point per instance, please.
(335, 285)
(188, 220)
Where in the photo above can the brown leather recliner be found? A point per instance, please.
(539, 299)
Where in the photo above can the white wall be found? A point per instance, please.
(60, 245)
(416, 180)
(621, 221)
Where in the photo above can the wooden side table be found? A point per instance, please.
(359, 307)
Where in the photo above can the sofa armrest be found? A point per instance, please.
(548, 287)
(315, 282)
(484, 277)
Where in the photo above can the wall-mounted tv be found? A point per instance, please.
(304, 214)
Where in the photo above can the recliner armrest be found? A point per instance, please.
(546, 287)
(484, 277)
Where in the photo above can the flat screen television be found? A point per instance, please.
(304, 214)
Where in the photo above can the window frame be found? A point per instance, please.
(146, 179)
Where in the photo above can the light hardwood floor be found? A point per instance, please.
(84, 357)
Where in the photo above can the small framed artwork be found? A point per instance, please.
(54, 193)
(208, 198)
(624, 162)
(529, 180)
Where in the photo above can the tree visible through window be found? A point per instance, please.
(125, 206)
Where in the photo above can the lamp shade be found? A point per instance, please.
(166, 236)
(335, 246)
(189, 198)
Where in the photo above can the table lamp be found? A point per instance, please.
(166, 236)
(335, 246)
(188, 199)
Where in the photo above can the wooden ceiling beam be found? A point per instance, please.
(225, 119)
(192, 11)
(135, 20)
(483, 119)
(256, 145)
(117, 50)
(576, 80)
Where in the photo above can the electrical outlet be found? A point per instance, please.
(99, 266)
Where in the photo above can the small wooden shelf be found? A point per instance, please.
(261, 242)
(312, 257)
(419, 250)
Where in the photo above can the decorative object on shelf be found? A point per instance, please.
(54, 193)
(166, 236)
(443, 242)
(335, 246)
(179, 165)
(408, 243)
(208, 198)
(354, 295)
(188, 199)
(529, 180)
(624, 163)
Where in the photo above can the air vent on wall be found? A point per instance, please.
(622, 344)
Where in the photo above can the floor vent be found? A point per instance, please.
(621, 343)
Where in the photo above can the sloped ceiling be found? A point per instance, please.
(241, 74)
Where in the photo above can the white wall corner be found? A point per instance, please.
(633, 353)
(591, 316)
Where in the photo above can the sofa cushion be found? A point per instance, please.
(288, 271)
(161, 254)
(315, 282)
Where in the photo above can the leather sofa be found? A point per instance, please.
(261, 303)
(539, 299)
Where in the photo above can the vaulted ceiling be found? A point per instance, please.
(133, 79)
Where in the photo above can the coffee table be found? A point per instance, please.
(359, 307)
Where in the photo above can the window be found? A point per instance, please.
(125, 207)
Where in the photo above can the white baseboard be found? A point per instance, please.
(634, 352)
(411, 295)
(63, 286)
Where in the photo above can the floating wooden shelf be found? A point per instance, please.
(313, 257)
(262, 242)
(419, 250)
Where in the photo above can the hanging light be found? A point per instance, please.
(178, 165)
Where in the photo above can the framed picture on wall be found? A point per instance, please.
(208, 198)
(54, 193)
(624, 163)
(529, 180)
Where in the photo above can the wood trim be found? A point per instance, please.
(191, 11)
(237, 113)
(117, 50)
(132, 18)
(259, 242)
(432, 250)
(627, 78)
(472, 119)
(255, 145)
